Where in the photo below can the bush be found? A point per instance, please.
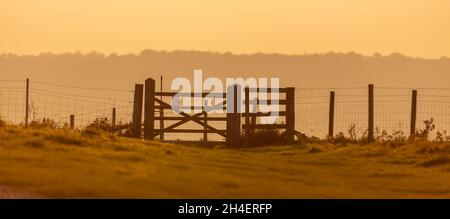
(127, 130)
(424, 133)
(44, 123)
(341, 139)
(103, 124)
(91, 132)
(398, 138)
(2, 123)
(263, 137)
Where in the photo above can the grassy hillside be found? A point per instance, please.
(65, 163)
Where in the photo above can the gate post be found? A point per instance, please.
(137, 110)
(149, 109)
(233, 116)
(247, 116)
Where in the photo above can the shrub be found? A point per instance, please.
(352, 132)
(440, 137)
(44, 123)
(424, 133)
(102, 124)
(127, 130)
(262, 137)
(340, 139)
(123, 129)
(2, 123)
(91, 132)
(398, 138)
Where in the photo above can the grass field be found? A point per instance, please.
(71, 164)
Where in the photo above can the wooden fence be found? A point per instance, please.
(149, 103)
(154, 104)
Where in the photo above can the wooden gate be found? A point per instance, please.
(154, 107)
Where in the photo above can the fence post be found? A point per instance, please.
(72, 121)
(290, 114)
(370, 122)
(230, 108)
(137, 110)
(205, 128)
(113, 120)
(331, 117)
(413, 113)
(161, 114)
(27, 91)
(149, 109)
(233, 116)
(247, 116)
(237, 115)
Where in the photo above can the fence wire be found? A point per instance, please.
(57, 102)
(392, 108)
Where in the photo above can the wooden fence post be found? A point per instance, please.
(113, 120)
(370, 122)
(247, 116)
(237, 115)
(72, 121)
(205, 127)
(331, 117)
(137, 110)
(290, 114)
(230, 109)
(149, 109)
(27, 90)
(413, 113)
(233, 116)
(161, 114)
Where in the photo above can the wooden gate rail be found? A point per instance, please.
(183, 94)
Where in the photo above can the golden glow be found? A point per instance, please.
(412, 27)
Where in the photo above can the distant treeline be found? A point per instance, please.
(308, 70)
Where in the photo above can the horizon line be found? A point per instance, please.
(106, 54)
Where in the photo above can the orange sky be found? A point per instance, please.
(418, 28)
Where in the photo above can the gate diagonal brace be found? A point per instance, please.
(188, 118)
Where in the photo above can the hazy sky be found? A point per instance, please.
(412, 27)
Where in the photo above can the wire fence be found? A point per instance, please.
(392, 107)
(392, 110)
(57, 102)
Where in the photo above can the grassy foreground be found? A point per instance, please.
(65, 163)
